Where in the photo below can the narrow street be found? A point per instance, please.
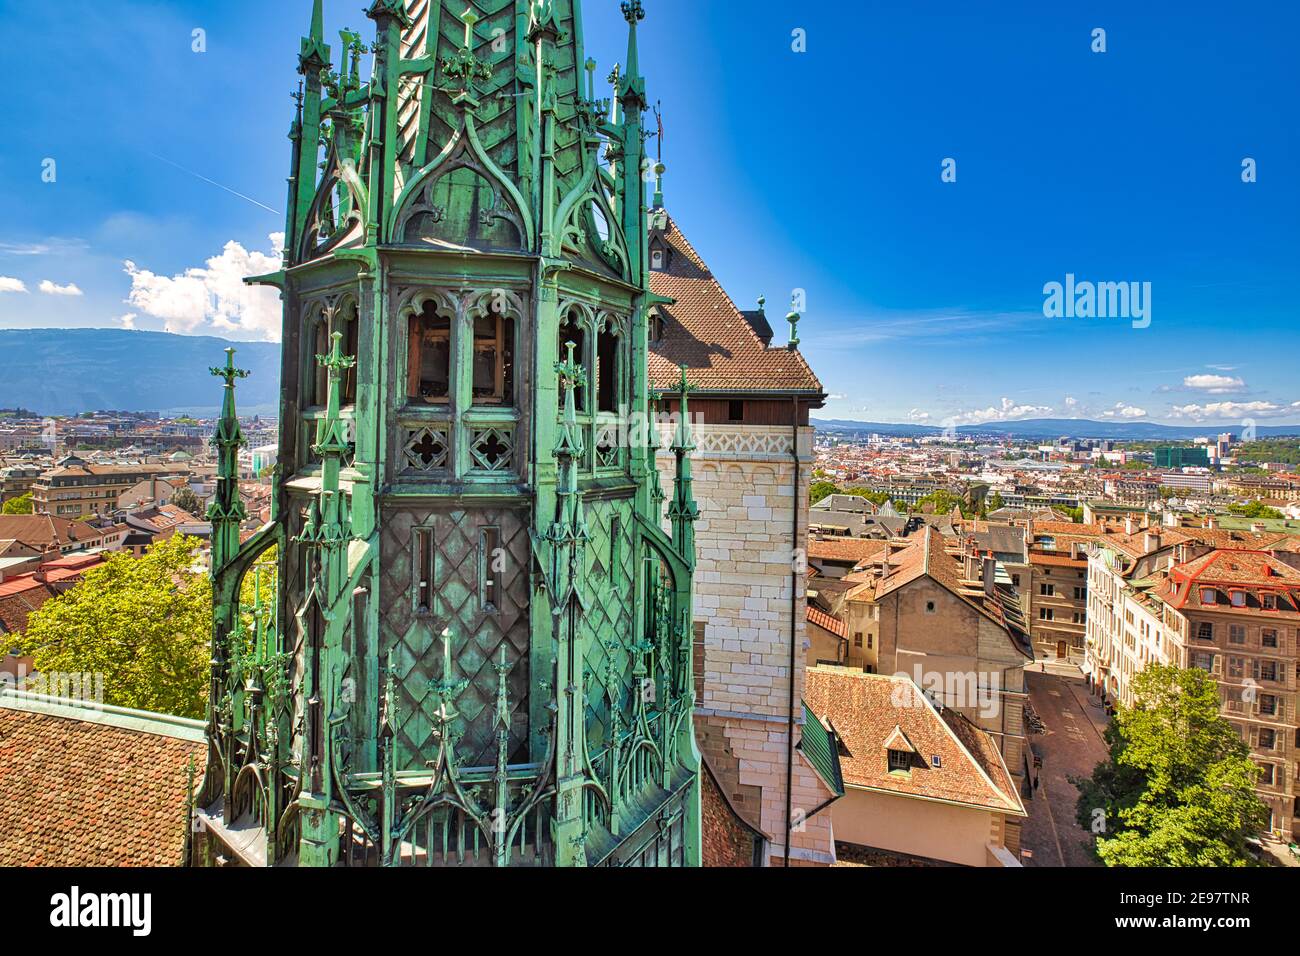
(1071, 746)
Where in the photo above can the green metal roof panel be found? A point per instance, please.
(818, 745)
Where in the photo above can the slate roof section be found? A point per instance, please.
(868, 710)
(706, 332)
(101, 789)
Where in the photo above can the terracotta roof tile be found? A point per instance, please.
(869, 710)
(78, 793)
(710, 336)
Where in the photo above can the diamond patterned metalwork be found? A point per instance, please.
(477, 635)
(609, 613)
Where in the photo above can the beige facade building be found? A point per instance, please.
(950, 620)
(921, 781)
(74, 488)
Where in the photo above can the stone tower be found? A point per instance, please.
(465, 636)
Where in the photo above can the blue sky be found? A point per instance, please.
(818, 171)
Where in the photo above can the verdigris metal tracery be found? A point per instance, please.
(466, 631)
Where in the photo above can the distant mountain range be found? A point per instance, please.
(1053, 428)
(66, 371)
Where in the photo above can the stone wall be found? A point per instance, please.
(749, 591)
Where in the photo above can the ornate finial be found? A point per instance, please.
(465, 67)
(793, 319)
(660, 169)
(762, 304)
(229, 372)
(448, 687)
(684, 386)
(633, 11)
(571, 372)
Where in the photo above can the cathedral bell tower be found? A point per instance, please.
(464, 638)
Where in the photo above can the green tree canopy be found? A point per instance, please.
(144, 623)
(1256, 509)
(188, 502)
(821, 490)
(22, 505)
(1178, 789)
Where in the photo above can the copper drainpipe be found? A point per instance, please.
(794, 627)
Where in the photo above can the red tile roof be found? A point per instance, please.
(78, 793)
(705, 332)
(868, 711)
(827, 621)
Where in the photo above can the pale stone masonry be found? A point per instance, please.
(745, 487)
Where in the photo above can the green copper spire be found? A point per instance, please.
(482, 642)
(793, 319)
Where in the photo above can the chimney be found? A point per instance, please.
(990, 572)
(1212, 523)
(1130, 526)
(1152, 542)
(41, 576)
(1258, 527)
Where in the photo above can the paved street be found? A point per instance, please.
(1071, 746)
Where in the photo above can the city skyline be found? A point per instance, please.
(923, 302)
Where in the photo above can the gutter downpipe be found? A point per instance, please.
(794, 627)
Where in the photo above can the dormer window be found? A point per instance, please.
(900, 761)
(899, 752)
(1209, 596)
(1238, 598)
(657, 260)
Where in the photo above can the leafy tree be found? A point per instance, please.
(1256, 509)
(995, 502)
(188, 501)
(821, 490)
(22, 505)
(1178, 789)
(144, 623)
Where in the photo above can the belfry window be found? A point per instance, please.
(320, 346)
(429, 361)
(572, 332)
(608, 369)
(351, 342)
(494, 359)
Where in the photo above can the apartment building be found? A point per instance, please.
(1208, 600)
(75, 488)
(1236, 615)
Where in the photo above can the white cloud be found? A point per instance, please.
(1007, 410)
(1222, 410)
(12, 285)
(1214, 384)
(49, 288)
(918, 416)
(128, 321)
(1125, 411)
(214, 299)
